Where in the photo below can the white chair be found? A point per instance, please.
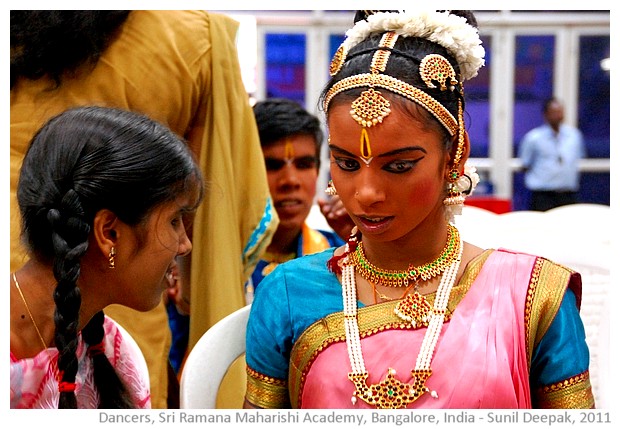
(208, 361)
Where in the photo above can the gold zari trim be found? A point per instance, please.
(398, 87)
(543, 300)
(266, 392)
(575, 392)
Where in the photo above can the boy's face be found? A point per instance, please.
(292, 171)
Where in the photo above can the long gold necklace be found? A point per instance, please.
(391, 392)
(21, 294)
(397, 278)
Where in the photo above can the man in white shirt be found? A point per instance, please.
(550, 155)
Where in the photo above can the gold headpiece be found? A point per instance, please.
(371, 107)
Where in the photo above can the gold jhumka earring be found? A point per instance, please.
(436, 68)
(111, 255)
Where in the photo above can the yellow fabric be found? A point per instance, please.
(181, 68)
(234, 206)
(312, 240)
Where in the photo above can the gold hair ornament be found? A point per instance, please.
(337, 61)
(434, 67)
(398, 87)
(370, 108)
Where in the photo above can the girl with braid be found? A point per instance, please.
(104, 196)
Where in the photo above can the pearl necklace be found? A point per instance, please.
(391, 392)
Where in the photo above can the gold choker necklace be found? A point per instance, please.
(396, 278)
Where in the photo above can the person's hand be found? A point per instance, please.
(336, 216)
(175, 291)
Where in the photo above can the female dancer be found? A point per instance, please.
(406, 314)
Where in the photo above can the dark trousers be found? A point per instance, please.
(545, 200)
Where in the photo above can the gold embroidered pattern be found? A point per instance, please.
(574, 392)
(398, 87)
(543, 299)
(266, 392)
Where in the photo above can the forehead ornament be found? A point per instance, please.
(370, 108)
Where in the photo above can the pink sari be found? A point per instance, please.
(481, 359)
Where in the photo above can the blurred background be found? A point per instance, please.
(530, 56)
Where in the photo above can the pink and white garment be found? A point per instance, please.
(34, 384)
(486, 332)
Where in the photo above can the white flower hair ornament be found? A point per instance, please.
(465, 185)
(450, 31)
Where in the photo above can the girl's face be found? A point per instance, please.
(397, 181)
(149, 251)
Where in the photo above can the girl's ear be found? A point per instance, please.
(105, 230)
(464, 155)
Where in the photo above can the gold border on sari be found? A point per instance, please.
(543, 300)
(574, 392)
(266, 392)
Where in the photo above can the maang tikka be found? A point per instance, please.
(370, 108)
